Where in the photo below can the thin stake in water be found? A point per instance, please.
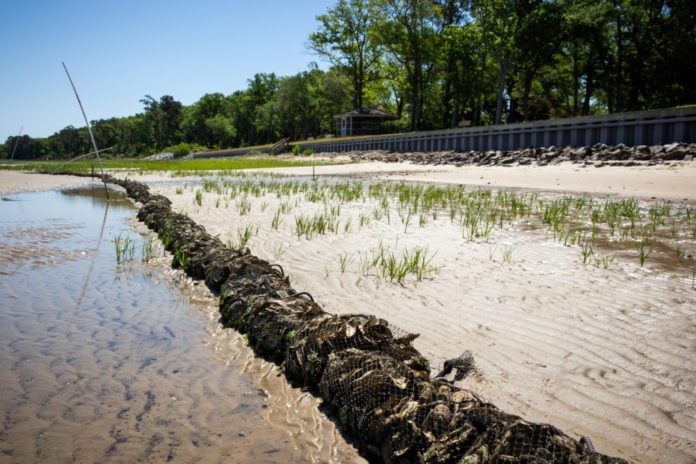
(89, 128)
(17, 142)
(80, 157)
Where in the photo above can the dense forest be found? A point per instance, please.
(434, 64)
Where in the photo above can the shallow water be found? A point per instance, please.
(107, 362)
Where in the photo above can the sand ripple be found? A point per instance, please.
(607, 353)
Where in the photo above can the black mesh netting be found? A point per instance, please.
(376, 385)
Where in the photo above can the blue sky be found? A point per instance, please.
(119, 51)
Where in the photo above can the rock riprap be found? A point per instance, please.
(596, 155)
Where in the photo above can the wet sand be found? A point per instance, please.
(13, 182)
(606, 353)
(127, 363)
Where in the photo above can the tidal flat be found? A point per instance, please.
(123, 360)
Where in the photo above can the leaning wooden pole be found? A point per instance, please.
(89, 128)
(82, 156)
(17, 142)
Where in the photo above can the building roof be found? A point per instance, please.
(366, 113)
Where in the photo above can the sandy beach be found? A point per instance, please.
(606, 353)
(601, 351)
(14, 182)
(673, 181)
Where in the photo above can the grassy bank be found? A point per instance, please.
(197, 165)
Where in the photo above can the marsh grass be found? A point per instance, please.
(243, 206)
(605, 261)
(277, 220)
(183, 167)
(395, 267)
(586, 252)
(125, 249)
(278, 252)
(507, 254)
(303, 226)
(147, 250)
(244, 235)
(344, 260)
(589, 223)
(319, 224)
(644, 250)
(181, 258)
(406, 218)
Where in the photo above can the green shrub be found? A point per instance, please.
(296, 150)
(308, 152)
(183, 149)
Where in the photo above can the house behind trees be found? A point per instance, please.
(361, 121)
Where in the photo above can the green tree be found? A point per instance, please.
(296, 112)
(453, 18)
(346, 36)
(162, 119)
(25, 147)
(584, 52)
(462, 52)
(69, 141)
(171, 110)
(209, 121)
(409, 35)
(220, 130)
(537, 39)
(244, 105)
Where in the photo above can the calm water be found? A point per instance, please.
(107, 362)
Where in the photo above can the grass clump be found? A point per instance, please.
(586, 253)
(397, 266)
(507, 255)
(244, 206)
(181, 258)
(147, 250)
(125, 249)
(644, 249)
(343, 261)
(243, 236)
(277, 219)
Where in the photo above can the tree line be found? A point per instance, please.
(434, 64)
